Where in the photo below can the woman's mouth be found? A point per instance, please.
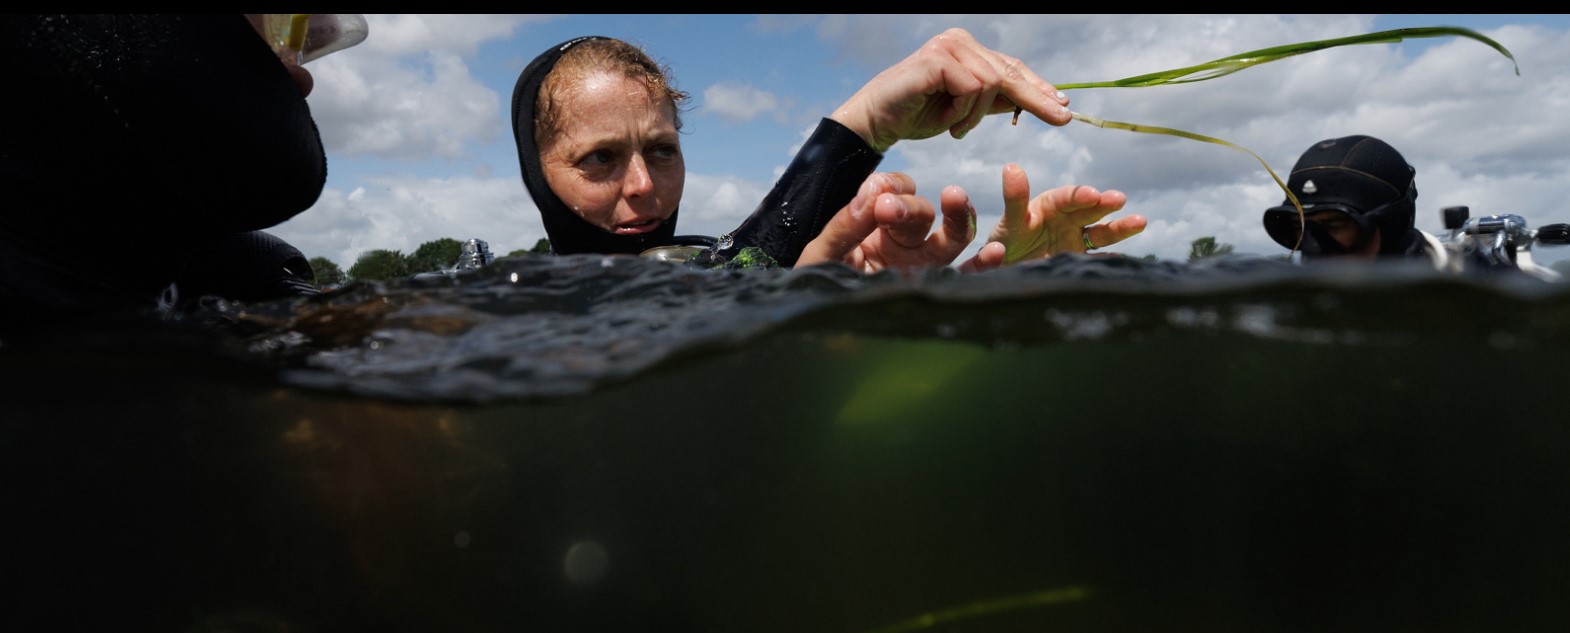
(639, 227)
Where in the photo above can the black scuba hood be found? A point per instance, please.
(1359, 175)
(569, 234)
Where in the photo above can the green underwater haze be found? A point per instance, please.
(582, 443)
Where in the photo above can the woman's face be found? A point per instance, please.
(303, 81)
(617, 160)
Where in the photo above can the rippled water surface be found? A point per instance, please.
(599, 444)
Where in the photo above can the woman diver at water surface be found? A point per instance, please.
(597, 125)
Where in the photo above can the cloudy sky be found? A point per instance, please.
(417, 119)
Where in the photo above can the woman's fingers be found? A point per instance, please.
(1104, 235)
(990, 256)
(1022, 88)
(856, 221)
(1016, 198)
(1083, 203)
(907, 219)
(959, 226)
(1005, 83)
(970, 76)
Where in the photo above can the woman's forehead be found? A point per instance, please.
(604, 84)
(610, 99)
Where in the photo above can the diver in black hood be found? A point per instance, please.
(1359, 200)
(596, 123)
(144, 154)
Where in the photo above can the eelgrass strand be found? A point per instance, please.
(1228, 65)
(1231, 64)
(1152, 129)
(988, 607)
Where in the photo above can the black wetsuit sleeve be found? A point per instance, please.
(821, 180)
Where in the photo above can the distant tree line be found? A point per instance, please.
(442, 254)
(436, 255)
(385, 264)
(1207, 247)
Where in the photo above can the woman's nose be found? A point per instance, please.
(638, 181)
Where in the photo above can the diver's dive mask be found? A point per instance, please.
(303, 37)
(1283, 225)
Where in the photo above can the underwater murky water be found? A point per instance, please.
(588, 444)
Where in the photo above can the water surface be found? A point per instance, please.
(597, 444)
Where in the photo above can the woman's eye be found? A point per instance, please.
(596, 158)
(665, 152)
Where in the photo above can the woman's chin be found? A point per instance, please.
(302, 79)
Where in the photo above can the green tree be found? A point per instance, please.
(380, 264)
(1207, 247)
(435, 255)
(328, 274)
(542, 247)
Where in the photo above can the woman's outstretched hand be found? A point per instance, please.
(949, 84)
(1061, 220)
(888, 226)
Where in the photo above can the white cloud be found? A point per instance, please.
(742, 103)
(407, 92)
(403, 109)
(402, 214)
(398, 35)
(716, 204)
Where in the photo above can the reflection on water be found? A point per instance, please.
(588, 444)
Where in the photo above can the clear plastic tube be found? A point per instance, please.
(300, 38)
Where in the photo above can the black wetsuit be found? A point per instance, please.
(823, 178)
(144, 152)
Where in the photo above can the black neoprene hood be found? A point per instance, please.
(1359, 175)
(1361, 172)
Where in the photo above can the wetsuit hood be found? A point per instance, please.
(1360, 176)
(569, 234)
(140, 136)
